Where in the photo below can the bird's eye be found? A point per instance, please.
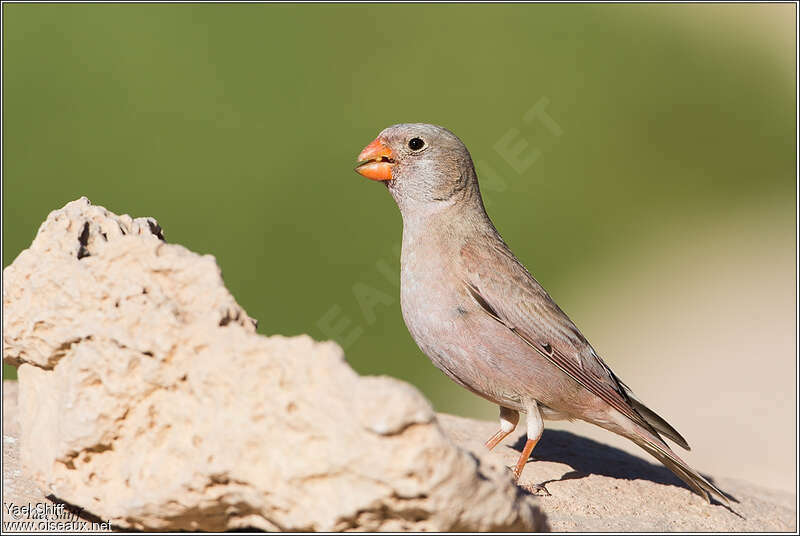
(415, 144)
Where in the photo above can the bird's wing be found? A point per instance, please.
(505, 290)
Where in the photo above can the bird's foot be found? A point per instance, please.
(516, 471)
(538, 489)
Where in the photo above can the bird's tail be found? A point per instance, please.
(664, 454)
(652, 418)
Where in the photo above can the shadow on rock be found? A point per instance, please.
(587, 456)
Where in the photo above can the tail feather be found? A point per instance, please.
(662, 453)
(651, 418)
(647, 437)
(659, 424)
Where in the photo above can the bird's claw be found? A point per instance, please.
(538, 489)
(515, 473)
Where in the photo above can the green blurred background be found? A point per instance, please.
(237, 128)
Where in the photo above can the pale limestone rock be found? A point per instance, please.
(594, 487)
(147, 398)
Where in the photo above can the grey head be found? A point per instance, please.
(424, 166)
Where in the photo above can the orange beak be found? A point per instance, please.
(375, 161)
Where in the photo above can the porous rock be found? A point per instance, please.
(147, 398)
(595, 487)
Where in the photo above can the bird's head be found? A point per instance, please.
(421, 164)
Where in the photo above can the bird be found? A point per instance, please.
(484, 320)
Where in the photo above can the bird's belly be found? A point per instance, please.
(431, 316)
(476, 351)
(479, 353)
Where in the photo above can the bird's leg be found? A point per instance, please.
(508, 422)
(535, 429)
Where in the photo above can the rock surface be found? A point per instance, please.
(598, 488)
(147, 398)
(594, 487)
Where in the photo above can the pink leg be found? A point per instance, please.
(523, 458)
(508, 422)
(535, 429)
